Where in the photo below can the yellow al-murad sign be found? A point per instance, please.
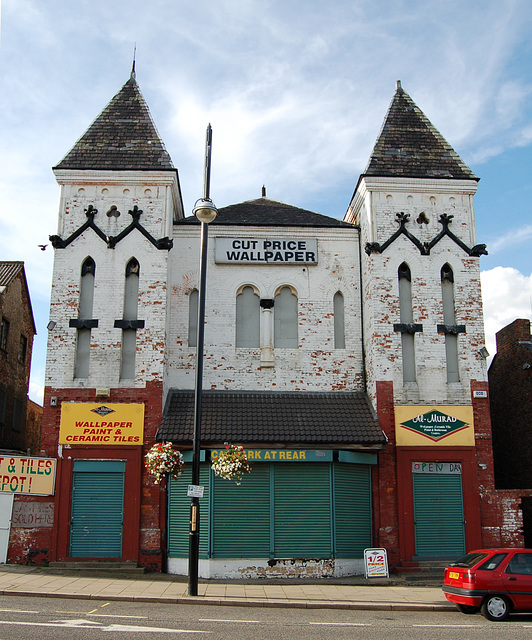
(101, 424)
(35, 476)
(434, 425)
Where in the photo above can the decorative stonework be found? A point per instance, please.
(112, 241)
(425, 247)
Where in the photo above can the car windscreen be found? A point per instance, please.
(469, 560)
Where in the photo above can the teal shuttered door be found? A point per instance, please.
(179, 514)
(241, 516)
(302, 511)
(352, 507)
(278, 511)
(97, 509)
(438, 514)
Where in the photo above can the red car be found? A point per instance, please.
(492, 581)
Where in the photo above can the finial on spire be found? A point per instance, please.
(263, 191)
(133, 66)
(398, 86)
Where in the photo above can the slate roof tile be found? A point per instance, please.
(268, 418)
(409, 146)
(123, 137)
(8, 271)
(265, 212)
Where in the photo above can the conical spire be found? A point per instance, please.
(123, 137)
(409, 146)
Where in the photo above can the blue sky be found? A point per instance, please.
(296, 92)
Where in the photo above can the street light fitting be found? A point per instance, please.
(204, 210)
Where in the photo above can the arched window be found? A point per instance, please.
(247, 318)
(285, 319)
(86, 299)
(193, 318)
(339, 329)
(130, 315)
(407, 318)
(449, 320)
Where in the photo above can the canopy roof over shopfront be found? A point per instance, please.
(284, 419)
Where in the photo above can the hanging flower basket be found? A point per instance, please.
(231, 463)
(161, 459)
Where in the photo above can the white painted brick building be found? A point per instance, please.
(348, 364)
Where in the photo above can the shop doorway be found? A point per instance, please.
(438, 510)
(96, 527)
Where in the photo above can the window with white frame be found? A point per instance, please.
(247, 318)
(285, 319)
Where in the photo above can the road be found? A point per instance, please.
(32, 618)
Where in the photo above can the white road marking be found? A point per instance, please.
(17, 611)
(451, 626)
(87, 624)
(342, 624)
(115, 615)
(223, 620)
(102, 615)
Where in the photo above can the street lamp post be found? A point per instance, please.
(206, 212)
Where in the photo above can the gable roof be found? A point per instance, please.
(9, 271)
(123, 137)
(409, 146)
(264, 212)
(264, 418)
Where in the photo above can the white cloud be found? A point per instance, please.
(296, 93)
(507, 295)
(36, 392)
(512, 238)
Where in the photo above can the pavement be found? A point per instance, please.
(382, 594)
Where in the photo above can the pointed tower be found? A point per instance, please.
(414, 206)
(120, 196)
(423, 328)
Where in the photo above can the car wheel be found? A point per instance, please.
(495, 608)
(467, 608)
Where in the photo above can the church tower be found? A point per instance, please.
(421, 276)
(120, 196)
(423, 330)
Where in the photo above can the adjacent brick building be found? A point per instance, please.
(345, 356)
(510, 382)
(19, 420)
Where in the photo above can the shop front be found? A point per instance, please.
(303, 510)
(99, 467)
(436, 468)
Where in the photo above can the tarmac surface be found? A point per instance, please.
(382, 594)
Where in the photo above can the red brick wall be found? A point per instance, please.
(15, 307)
(511, 407)
(388, 524)
(30, 545)
(144, 502)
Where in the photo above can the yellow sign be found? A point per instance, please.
(432, 426)
(101, 424)
(35, 476)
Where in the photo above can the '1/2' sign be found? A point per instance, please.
(376, 563)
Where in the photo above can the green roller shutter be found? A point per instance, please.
(438, 514)
(241, 516)
(97, 509)
(179, 514)
(302, 511)
(352, 510)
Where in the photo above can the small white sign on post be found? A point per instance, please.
(376, 563)
(195, 491)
